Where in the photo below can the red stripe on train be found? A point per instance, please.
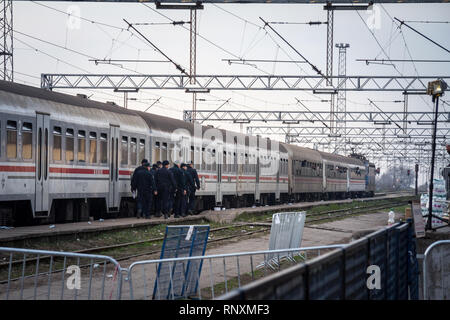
(17, 169)
(78, 170)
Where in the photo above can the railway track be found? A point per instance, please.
(266, 224)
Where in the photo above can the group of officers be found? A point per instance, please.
(162, 190)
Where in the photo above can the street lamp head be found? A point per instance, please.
(436, 88)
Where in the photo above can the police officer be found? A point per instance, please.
(159, 164)
(156, 208)
(172, 192)
(134, 186)
(195, 186)
(143, 182)
(181, 190)
(189, 186)
(166, 185)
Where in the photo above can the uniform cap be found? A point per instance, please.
(144, 161)
(183, 165)
(165, 163)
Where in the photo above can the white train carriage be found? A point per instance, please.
(305, 173)
(65, 158)
(228, 167)
(55, 159)
(343, 176)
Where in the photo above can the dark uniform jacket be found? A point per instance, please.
(189, 180)
(180, 178)
(165, 179)
(142, 180)
(194, 175)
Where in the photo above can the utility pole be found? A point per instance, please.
(417, 178)
(193, 58)
(435, 89)
(6, 43)
(341, 103)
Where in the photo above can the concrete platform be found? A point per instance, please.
(227, 216)
(22, 233)
(224, 216)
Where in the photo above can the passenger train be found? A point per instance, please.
(65, 158)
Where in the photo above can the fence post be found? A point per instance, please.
(413, 265)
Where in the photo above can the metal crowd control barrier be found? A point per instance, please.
(221, 273)
(343, 273)
(436, 271)
(286, 232)
(52, 275)
(177, 280)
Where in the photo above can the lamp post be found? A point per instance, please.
(435, 89)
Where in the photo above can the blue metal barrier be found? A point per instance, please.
(177, 280)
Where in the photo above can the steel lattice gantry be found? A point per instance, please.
(6, 40)
(317, 84)
(261, 1)
(323, 117)
(372, 132)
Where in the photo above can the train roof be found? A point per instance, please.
(78, 101)
(154, 122)
(302, 153)
(339, 158)
(26, 100)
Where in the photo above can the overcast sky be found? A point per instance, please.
(232, 31)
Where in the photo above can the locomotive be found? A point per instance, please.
(66, 158)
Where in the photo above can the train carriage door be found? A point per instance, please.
(113, 199)
(42, 163)
(348, 179)
(219, 164)
(257, 174)
(324, 172)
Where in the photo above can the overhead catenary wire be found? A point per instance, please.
(311, 23)
(177, 66)
(402, 23)
(293, 48)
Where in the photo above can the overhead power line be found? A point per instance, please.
(311, 23)
(424, 36)
(307, 61)
(368, 61)
(179, 67)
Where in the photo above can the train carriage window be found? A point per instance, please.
(214, 161)
(11, 139)
(133, 151)
(164, 151)
(192, 154)
(141, 149)
(157, 152)
(124, 151)
(92, 147)
(57, 144)
(224, 162)
(81, 146)
(27, 138)
(69, 145)
(198, 159)
(171, 152)
(103, 148)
